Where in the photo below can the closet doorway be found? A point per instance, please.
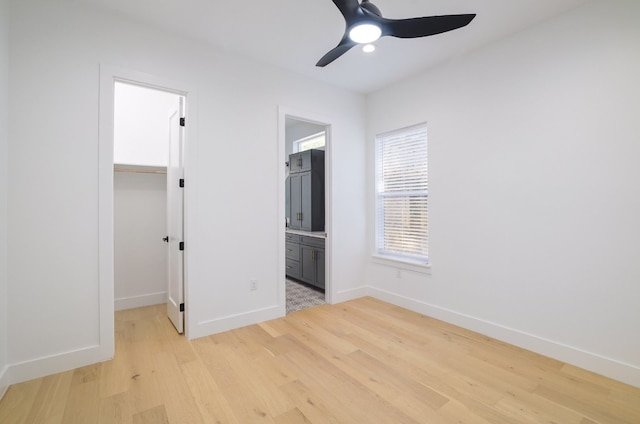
(148, 201)
(306, 198)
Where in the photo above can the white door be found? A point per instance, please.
(175, 209)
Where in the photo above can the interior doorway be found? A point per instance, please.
(306, 199)
(148, 200)
(109, 75)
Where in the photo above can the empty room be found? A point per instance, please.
(434, 225)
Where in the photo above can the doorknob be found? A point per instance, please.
(166, 239)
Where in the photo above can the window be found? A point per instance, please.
(401, 194)
(314, 141)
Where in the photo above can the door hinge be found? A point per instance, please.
(181, 245)
(182, 307)
(182, 121)
(181, 182)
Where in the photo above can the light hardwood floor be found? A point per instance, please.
(362, 361)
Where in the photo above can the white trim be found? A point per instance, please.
(231, 322)
(626, 373)
(105, 210)
(350, 294)
(283, 113)
(108, 76)
(402, 263)
(39, 367)
(4, 381)
(131, 302)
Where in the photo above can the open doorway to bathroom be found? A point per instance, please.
(305, 212)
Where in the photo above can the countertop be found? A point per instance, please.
(317, 234)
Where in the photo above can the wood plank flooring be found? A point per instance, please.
(362, 361)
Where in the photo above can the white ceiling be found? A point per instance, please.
(294, 34)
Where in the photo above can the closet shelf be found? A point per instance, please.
(139, 169)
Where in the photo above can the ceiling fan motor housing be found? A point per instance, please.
(370, 7)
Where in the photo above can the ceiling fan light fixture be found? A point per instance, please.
(368, 48)
(365, 24)
(365, 33)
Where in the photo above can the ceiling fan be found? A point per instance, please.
(365, 24)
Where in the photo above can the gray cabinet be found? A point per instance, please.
(319, 259)
(305, 259)
(292, 250)
(305, 189)
(312, 261)
(304, 161)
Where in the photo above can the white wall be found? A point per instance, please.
(141, 125)
(140, 223)
(4, 134)
(55, 52)
(533, 189)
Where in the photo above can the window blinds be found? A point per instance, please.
(401, 193)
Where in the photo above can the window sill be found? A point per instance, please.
(407, 264)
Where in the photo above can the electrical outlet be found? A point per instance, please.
(398, 274)
(253, 284)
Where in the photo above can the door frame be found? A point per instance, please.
(108, 76)
(305, 116)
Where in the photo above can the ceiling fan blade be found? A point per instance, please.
(422, 27)
(348, 8)
(342, 47)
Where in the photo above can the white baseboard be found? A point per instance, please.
(41, 367)
(140, 301)
(608, 367)
(350, 294)
(218, 325)
(4, 381)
